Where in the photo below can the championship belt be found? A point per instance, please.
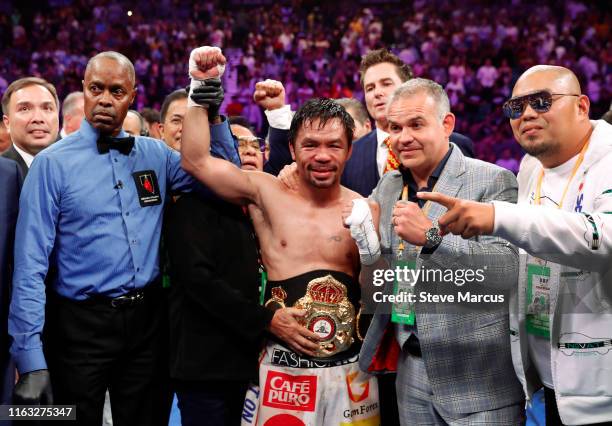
(329, 314)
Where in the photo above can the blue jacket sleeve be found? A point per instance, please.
(222, 145)
(39, 209)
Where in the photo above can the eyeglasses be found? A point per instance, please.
(540, 102)
(256, 143)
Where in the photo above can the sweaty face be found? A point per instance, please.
(109, 92)
(321, 152)
(251, 157)
(131, 124)
(543, 134)
(33, 118)
(379, 82)
(418, 136)
(172, 127)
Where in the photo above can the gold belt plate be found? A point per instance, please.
(329, 314)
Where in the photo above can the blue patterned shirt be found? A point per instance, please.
(97, 218)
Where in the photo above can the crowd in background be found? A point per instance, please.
(475, 51)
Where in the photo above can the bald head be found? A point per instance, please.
(121, 60)
(560, 78)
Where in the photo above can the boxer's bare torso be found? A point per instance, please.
(298, 234)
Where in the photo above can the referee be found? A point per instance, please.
(92, 209)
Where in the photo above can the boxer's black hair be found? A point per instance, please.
(323, 110)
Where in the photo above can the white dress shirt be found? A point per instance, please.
(27, 158)
(381, 151)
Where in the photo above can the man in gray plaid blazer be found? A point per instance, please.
(452, 360)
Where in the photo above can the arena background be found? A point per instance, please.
(475, 49)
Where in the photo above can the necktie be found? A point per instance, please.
(123, 145)
(392, 161)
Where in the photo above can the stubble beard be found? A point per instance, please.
(538, 150)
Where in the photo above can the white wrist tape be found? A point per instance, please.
(212, 73)
(363, 232)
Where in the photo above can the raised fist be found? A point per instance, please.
(206, 62)
(269, 94)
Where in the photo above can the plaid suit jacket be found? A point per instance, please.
(466, 352)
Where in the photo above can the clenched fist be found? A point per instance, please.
(410, 223)
(206, 62)
(269, 94)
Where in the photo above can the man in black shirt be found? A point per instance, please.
(217, 325)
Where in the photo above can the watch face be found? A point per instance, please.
(433, 237)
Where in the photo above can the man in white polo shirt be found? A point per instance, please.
(561, 319)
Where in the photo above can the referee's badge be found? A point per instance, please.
(148, 189)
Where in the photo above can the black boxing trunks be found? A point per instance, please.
(327, 390)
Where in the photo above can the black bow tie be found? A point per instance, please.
(123, 145)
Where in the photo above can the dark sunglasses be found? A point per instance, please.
(540, 102)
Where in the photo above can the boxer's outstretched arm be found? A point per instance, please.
(224, 178)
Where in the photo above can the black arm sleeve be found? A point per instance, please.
(214, 263)
(280, 156)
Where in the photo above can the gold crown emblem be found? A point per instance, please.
(326, 290)
(279, 293)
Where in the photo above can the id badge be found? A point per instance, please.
(538, 299)
(147, 187)
(402, 312)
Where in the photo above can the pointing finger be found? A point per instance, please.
(448, 218)
(439, 198)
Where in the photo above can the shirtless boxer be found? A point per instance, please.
(303, 243)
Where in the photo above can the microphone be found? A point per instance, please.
(119, 185)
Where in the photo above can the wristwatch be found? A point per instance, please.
(432, 236)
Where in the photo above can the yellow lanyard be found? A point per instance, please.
(569, 180)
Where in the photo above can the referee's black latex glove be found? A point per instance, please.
(210, 96)
(33, 388)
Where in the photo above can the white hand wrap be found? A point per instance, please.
(211, 73)
(363, 232)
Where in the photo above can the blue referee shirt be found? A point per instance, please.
(99, 217)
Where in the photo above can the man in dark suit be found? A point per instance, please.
(217, 325)
(10, 187)
(31, 115)
(381, 73)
